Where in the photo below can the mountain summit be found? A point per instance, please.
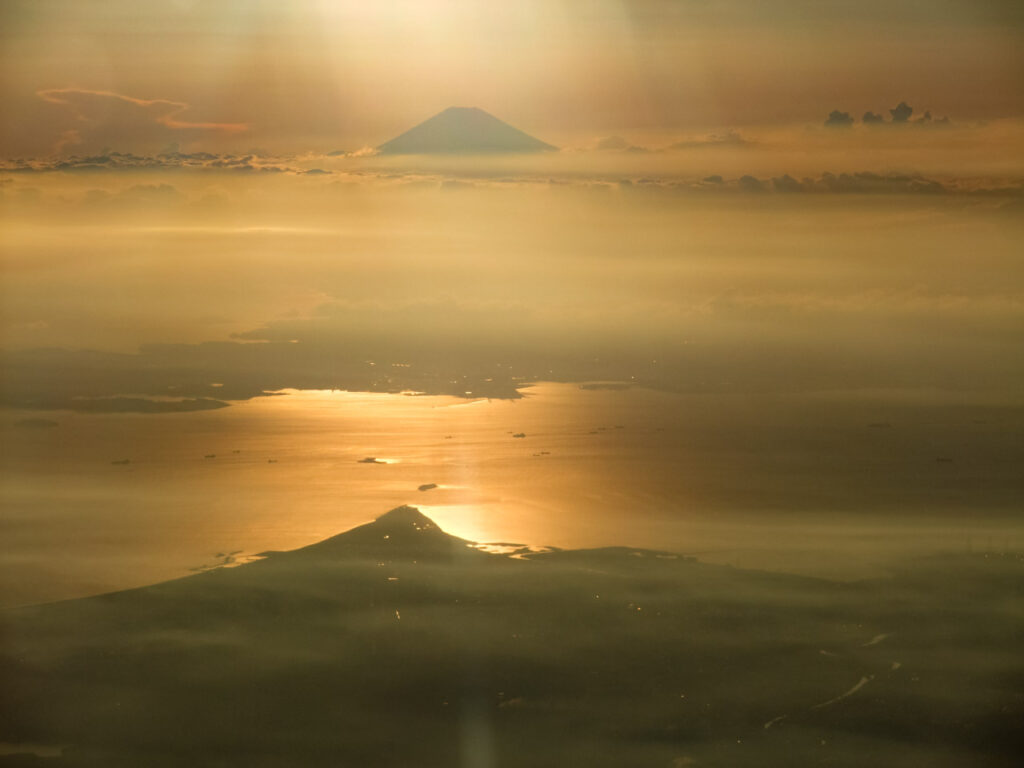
(404, 533)
(373, 648)
(463, 131)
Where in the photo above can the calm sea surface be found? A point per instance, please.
(817, 484)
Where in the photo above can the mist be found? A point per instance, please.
(824, 380)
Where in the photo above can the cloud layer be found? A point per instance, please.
(353, 169)
(900, 115)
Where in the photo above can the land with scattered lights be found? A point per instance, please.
(396, 644)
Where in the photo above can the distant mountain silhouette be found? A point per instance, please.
(463, 131)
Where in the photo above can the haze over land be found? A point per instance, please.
(396, 642)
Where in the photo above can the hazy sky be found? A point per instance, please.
(751, 216)
(320, 75)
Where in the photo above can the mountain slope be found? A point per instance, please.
(463, 131)
(396, 644)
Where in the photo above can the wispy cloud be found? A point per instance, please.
(162, 111)
(106, 115)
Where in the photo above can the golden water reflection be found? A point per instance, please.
(789, 483)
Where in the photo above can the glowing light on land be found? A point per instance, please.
(462, 520)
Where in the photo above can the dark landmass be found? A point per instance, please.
(614, 386)
(463, 131)
(94, 382)
(140, 405)
(370, 460)
(428, 486)
(406, 356)
(396, 644)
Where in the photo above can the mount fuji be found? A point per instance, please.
(463, 131)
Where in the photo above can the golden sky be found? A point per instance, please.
(321, 75)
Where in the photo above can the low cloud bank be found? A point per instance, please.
(861, 182)
(169, 160)
(900, 115)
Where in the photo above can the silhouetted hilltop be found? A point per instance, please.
(397, 644)
(463, 131)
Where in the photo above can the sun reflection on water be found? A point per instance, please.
(564, 467)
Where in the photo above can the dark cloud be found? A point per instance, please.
(901, 112)
(927, 119)
(751, 184)
(901, 115)
(837, 119)
(787, 184)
